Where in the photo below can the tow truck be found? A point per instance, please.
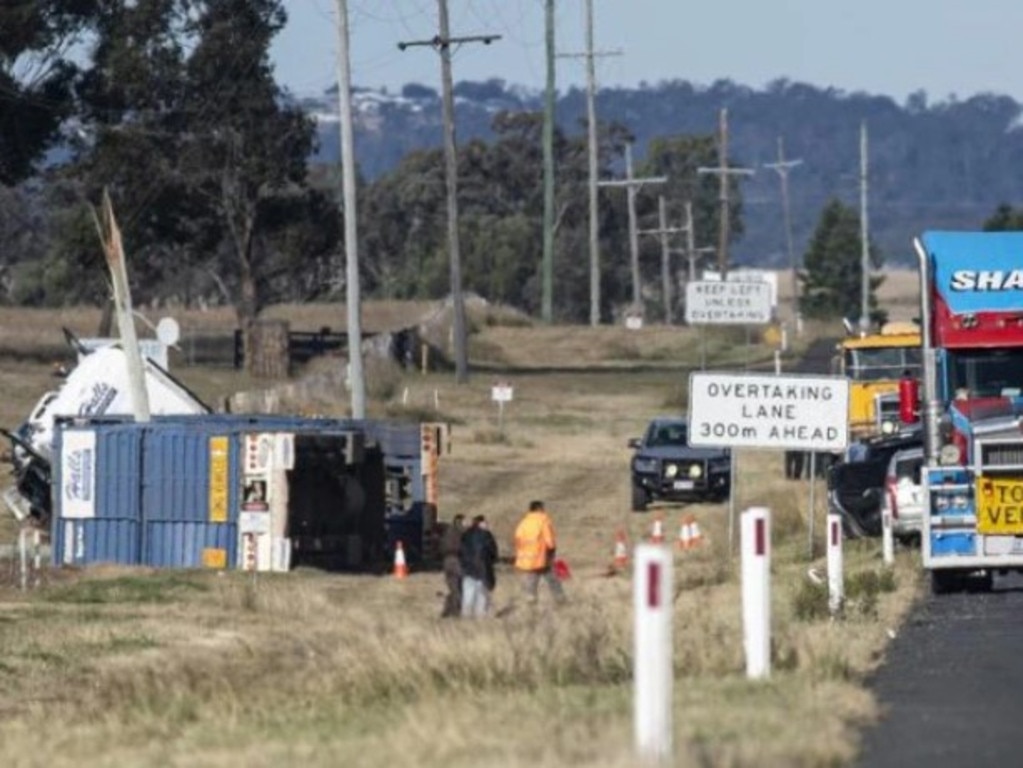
(971, 406)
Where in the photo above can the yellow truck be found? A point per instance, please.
(874, 364)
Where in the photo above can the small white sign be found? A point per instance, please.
(501, 393)
(788, 412)
(710, 302)
(78, 474)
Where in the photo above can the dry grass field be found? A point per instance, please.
(112, 667)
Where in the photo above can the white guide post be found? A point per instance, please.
(836, 585)
(756, 591)
(653, 670)
(887, 539)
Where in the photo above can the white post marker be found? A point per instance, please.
(836, 585)
(653, 669)
(887, 540)
(756, 591)
(23, 557)
(501, 393)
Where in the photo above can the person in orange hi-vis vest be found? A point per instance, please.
(535, 549)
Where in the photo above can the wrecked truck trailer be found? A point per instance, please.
(96, 387)
(264, 493)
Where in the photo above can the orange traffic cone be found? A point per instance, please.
(657, 531)
(685, 534)
(621, 551)
(400, 566)
(695, 534)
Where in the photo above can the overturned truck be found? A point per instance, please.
(194, 489)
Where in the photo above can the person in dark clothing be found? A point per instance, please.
(478, 557)
(794, 464)
(450, 548)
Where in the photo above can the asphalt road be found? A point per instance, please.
(951, 684)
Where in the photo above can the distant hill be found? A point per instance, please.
(932, 166)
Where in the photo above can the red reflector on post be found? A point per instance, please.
(653, 585)
(834, 533)
(759, 537)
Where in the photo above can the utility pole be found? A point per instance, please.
(662, 232)
(723, 172)
(352, 294)
(442, 43)
(591, 143)
(632, 184)
(783, 167)
(547, 297)
(864, 237)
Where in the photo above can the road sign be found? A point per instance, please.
(788, 412)
(712, 302)
(748, 275)
(502, 393)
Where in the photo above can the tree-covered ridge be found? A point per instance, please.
(944, 164)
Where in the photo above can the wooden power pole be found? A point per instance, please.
(723, 172)
(631, 185)
(591, 143)
(547, 293)
(442, 42)
(783, 167)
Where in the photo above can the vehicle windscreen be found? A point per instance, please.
(881, 364)
(667, 434)
(986, 372)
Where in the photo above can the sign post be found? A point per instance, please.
(501, 393)
(653, 672)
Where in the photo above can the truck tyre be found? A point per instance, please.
(640, 498)
(945, 582)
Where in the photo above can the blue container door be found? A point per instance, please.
(96, 495)
(190, 496)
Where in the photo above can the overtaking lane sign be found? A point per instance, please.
(788, 412)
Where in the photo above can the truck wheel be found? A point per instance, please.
(640, 498)
(944, 582)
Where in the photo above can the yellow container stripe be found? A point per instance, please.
(218, 479)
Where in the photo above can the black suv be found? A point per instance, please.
(856, 485)
(664, 466)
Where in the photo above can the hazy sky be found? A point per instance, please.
(891, 47)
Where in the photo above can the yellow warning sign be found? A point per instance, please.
(214, 558)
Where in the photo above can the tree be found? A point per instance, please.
(833, 267)
(36, 78)
(1004, 219)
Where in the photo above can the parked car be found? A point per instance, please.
(904, 493)
(856, 486)
(666, 468)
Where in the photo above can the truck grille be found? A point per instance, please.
(1001, 454)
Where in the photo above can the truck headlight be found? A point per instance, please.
(941, 502)
(960, 501)
(695, 471)
(644, 465)
(670, 470)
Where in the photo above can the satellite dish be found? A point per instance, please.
(168, 331)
